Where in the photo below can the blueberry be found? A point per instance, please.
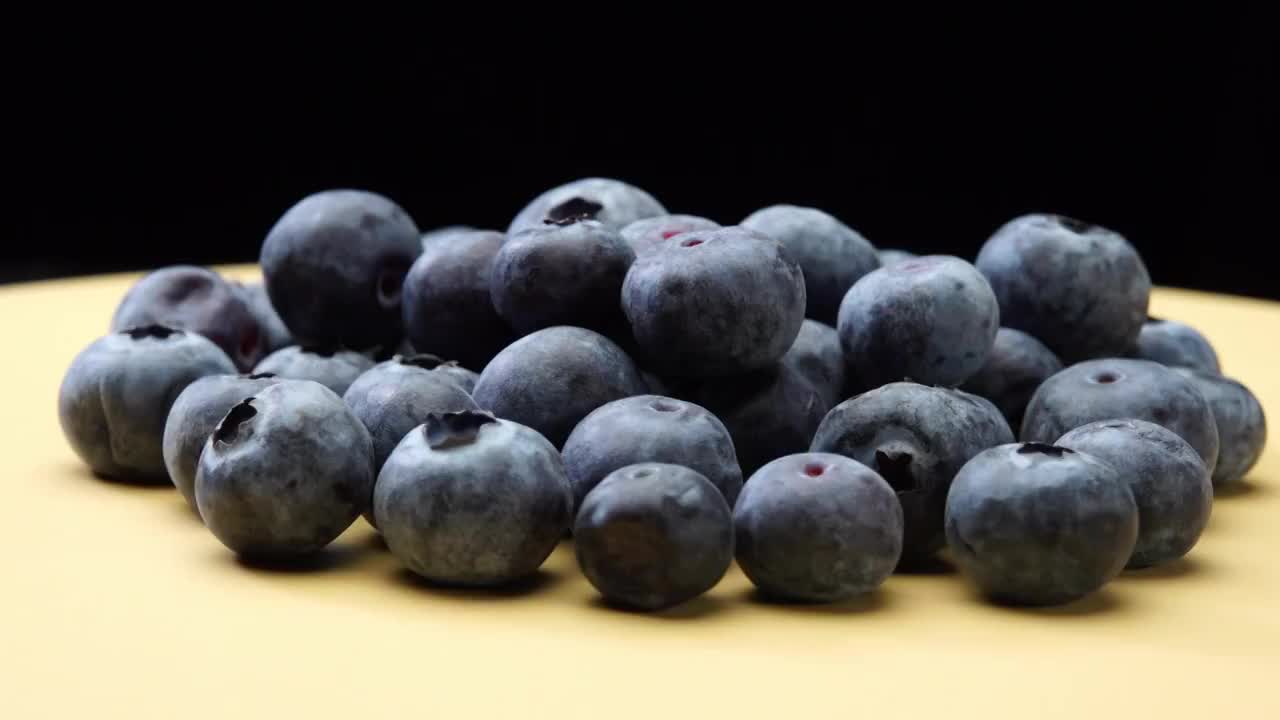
(1035, 524)
(715, 302)
(769, 413)
(917, 438)
(564, 273)
(650, 428)
(333, 368)
(446, 233)
(551, 379)
(395, 396)
(285, 472)
(467, 499)
(612, 202)
(198, 300)
(831, 254)
(1081, 289)
(816, 354)
(1242, 426)
(193, 418)
(648, 235)
(1114, 388)
(1175, 344)
(448, 369)
(891, 256)
(1015, 367)
(1169, 482)
(932, 320)
(817, 527)
(116, 395)
(447, 307)
(652, 535)
(334, 265)
(274, 333)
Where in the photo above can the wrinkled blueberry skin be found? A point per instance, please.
(652, 535)
(917, 438)
(817, 527)
(551, 379)
(395, 396)
(446, 233)
(288, 479)
(715, 302)
(482, 512)
(1080, 289)
(117, 393)
(197, 300)
(932, 320)
(1175, 344)
(334, 265)
(447, 307)
(1122, 388)
(1035, 528)
(651, 428)
(1015, 367)
(769, 413)
(274, 333)
(1241, 423)
(1169, 482)
(562, 275)
(816, 354)
(335, 369)
(619, 204)
(832, 255)
(193, 418)
(648, 235)
(892, 256)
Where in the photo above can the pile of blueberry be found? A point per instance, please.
(611, 371)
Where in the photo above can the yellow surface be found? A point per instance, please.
(117, 603)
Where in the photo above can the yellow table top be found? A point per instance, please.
(117, 603)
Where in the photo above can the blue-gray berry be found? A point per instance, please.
(1241, 423)
(612, 202)
(1015, 367)
(333, 368)
(1175, 344)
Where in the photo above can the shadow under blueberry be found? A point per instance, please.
(1241, 488)
(930, 565)
(1185, 566)
(144, 485)
(1100, 602)
(376, 542)
(874, 601)
(333, 557)
(694, 609)
(540, 581)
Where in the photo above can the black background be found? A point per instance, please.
(131, 155)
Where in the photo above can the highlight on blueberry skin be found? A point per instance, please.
(285, 472)
(817, 527)
(334, 266)
(198, 300)
(1015, 368)
(1079, 288)
(652, 535)
(447, 309)
(612, 203)
(649, 235)
(1175, 344)
(1035, 524)
(468, 499)
(562, 273)
(1169, 481)
(933, 319)
(117, 393)
(195, 415)
(334, 368)
(1122, 388)
(832, 255)
(551, 379)
(1241, 423)
(651, 428)
(715, 302)
(917, 438)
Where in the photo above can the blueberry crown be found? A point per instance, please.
(446, 430)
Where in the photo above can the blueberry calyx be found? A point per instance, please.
(154, 330)
(895, 468)
(663, 405)
(259, 376)
(426, 361)
(229, 428)
(1074, 225)
(446, 430)
(572, 210)
(1034, 448)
